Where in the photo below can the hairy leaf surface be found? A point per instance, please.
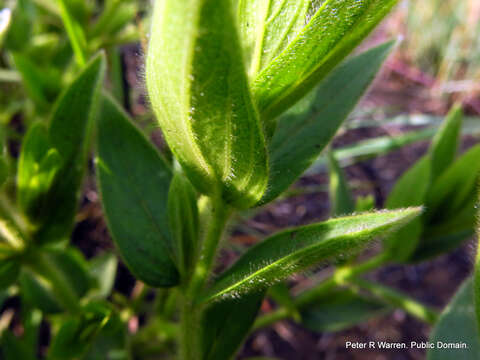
(331, 34)
(200, 94)
(267, 27)
(297, 249)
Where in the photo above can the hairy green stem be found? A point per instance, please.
(339, 277)
(218, 217)
(190, 314)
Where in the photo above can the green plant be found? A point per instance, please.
(434, 180)
(232, 87)
(248, 93)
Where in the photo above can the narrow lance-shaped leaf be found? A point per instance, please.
(41, 84)
(304, 131)
(69, 135)
(455, 188)
(134, 181)
(340, 309)
(267, 27)
(332, 33)
(410, 190)
(443, 149)
(199, 91)
(183, 221)
(225, 324)
(297, 249)
(341, 199)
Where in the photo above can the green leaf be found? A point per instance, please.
(21, 25)
(38, 165)
(5, 21)
(199, 91)
(304, 131)
(336, 28)
(54, 280)
(9, 271)
(297, 249)
(134, 181)
(183, 221)
(443, 149)
(4, 171)
(74, 31)
(341, 198)
(455, 188)
(267, 27)
(225, 324)
(69, 134)
(367, 149)
(410, 190)
(341, 309)
(77, 335)
(281, 295)
(41, 85)
(457, 324)
(364, 203)
(103, 269)
(12, 348)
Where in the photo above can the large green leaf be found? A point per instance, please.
(183, 221)
(297, 249)
(341, 309)
(134, 181)
(68, 138)
(267, 27)
(225, 324)
(410, 190)
(457, 325)
(331, 34)
(304, 131)
(341, 198)
(445, 143)
(199, 91)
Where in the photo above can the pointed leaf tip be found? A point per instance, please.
(297, 249)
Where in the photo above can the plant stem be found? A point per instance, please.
(218, 217)
(339, 277)
(216, 214)
(398, 299)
